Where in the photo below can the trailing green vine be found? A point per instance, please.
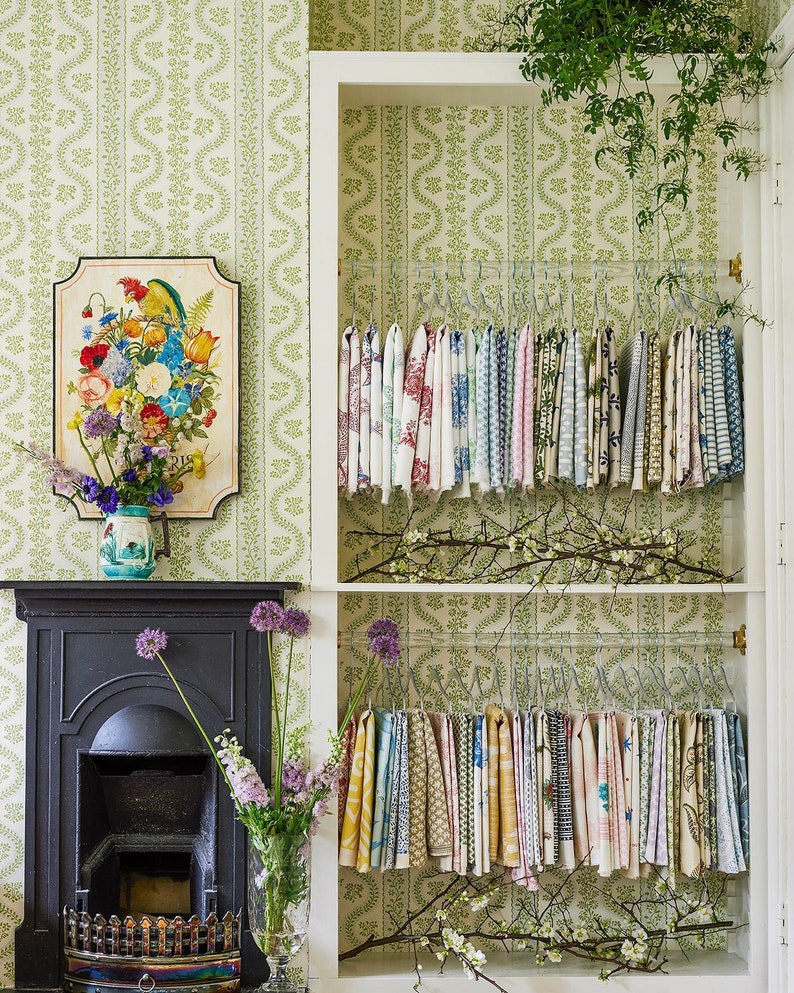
(601, 53)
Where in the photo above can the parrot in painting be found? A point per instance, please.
(156, 299)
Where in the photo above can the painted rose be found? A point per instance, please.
(153, 419)
(93, 388)
(199, 347)
(153, 380)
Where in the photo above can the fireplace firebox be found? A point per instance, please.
(125, 817)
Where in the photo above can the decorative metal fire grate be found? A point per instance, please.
(169, 953)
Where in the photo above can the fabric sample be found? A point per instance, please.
(384, 766)
(413, 389)
(375, 410)
(393, 373)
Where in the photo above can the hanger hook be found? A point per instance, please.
(354, 271)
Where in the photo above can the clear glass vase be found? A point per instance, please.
(278, 902)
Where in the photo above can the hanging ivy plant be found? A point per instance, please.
(602, 52)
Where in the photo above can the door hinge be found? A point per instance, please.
(783, 924)
(778, 201)
(781, 543)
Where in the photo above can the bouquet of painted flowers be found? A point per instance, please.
(145, 390)
(281, 819)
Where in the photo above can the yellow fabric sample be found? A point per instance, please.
(348, 846)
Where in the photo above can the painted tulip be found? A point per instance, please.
(199, 347)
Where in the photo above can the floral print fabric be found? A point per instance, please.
(501, 410)
(539, 788)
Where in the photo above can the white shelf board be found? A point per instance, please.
(702, 971)
(496, 589)
(439, 78)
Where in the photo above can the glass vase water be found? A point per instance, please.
(278, 902)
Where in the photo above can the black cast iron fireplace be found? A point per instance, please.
(124, 815)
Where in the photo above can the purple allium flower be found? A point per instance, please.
(99, 424)
(294, 622)
(108, 500)
(384, 640)
(149, 642)
(384, 625)
(266, 616)
(385, 648)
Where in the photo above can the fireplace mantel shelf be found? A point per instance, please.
(134, 597)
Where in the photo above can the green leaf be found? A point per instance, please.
(198, 312)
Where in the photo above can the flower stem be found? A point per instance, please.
(107, 457)
(90, 455)
(283, 730)
(276, 716)
(356, 697)
(201, 730)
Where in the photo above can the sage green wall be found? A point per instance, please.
(162, 127)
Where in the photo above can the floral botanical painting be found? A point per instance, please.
(146, 363)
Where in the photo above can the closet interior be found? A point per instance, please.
(532, 354)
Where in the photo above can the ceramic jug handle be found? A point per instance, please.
(166, 549)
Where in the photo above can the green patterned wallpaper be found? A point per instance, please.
(166, 127)
(172, 127)
(443, 25)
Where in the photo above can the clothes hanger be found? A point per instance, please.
(526, 672)
(435, 300)
(560, 313)
(354, 274)
(595, 296)
(436, 675)
(421, 304)
(555, 690)
(394, 291)
(482, 303)
(535, 308)
(465, 299)
(547, 305)
(372, 299)
(449, 304)
(630, 697)
(575, 676)
(466, 689)
(649, 299)
(572, 300)
(606, 295)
